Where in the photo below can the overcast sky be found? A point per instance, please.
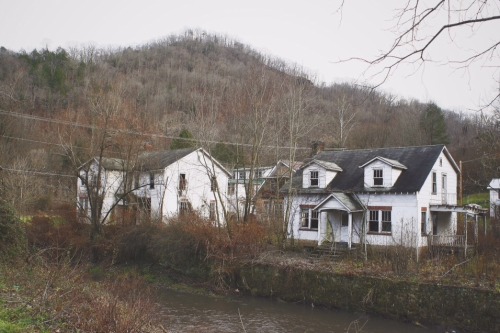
(311, 34)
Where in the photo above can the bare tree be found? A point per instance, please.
(421, 26)
(256, 99)
(299, 122)
(345, 120)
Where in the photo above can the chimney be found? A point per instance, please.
(317, 147)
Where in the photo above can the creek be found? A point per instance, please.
(185, 312)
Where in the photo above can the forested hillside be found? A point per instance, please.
(59, 108)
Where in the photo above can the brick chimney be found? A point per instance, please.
(317, 147)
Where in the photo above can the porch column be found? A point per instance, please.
(349, 230)
(320, 220)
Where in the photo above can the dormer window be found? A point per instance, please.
(381, 172)
(314, 179)
(378, 177)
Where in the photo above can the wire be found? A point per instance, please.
(37, 172)
(70, 123)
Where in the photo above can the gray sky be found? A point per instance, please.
(311, 34)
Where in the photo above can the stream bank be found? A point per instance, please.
(462, 308)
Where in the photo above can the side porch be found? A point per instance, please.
(463, 236)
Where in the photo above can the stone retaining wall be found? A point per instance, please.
(457, 307)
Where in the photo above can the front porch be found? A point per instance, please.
(340, 218)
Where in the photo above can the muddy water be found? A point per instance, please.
(184, 312)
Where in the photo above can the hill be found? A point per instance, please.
(58, 108)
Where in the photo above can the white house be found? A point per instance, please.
(166, 184)
(99, 189)
(494, 188)
(386, 196)
(239, 187)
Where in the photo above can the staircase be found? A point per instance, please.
(331, 250)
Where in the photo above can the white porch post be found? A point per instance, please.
(320, 220)
(349, 230)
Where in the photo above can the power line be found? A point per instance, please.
(161, 136)
(36, 172)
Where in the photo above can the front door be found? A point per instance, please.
(344, 227)
(444, 188)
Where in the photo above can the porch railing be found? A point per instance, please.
(447, 240)
(444, 199)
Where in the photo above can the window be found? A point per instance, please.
(310, 219)
(345, 219)
(434, 183)
(213, 184)
(314, 219)
(182, 182)
(373, 222)
(380, 220)
(440, 161)
(151, 180)
(386, 221)
(83, 206)
(212, 211)
(378, 177)
(136, 180)
(258, 174)
(231, 188)
(241, 175)
(314, 178)
(423, 223)
(184, 207)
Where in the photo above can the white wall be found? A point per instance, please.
(197, 167)
(111, 183)
(404, 215)
(494, 202)
(450, 198)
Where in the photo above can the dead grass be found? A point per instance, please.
(65, 298)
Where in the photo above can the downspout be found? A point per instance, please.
(418, 234)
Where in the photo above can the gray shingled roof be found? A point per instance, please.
(161, 159)
(110, 163)
(325, 165)
(418, 161)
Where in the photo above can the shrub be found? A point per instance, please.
(12, 236)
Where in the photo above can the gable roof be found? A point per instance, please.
(347, 200)
(494, 184)
(108, 163)
(161, 159)
(324, 164)
(387, 161)
(418, 160)
(282, 169)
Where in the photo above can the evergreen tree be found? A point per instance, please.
(433, 125)
(186, 140)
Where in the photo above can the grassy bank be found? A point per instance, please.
(42, 296)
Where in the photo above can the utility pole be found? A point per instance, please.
(461, 186)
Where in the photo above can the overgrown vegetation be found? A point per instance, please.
(52, 285)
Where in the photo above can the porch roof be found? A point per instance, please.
(346, 200)
(467, 209)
